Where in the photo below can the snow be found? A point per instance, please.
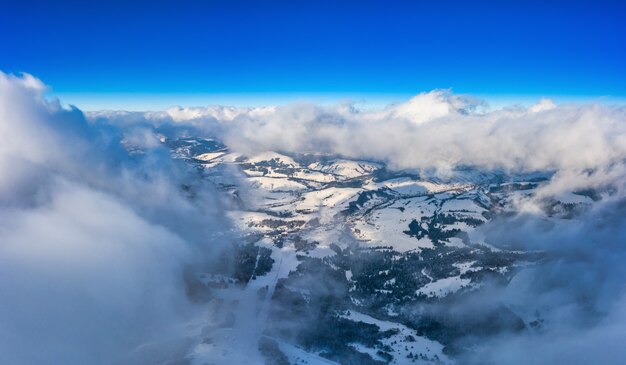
(442, 287)
(315, 194)
(345, 168)
(461, 205)
(239, 344)
(270, 156)
(317, 176)
(571, 198)
(406, 186)
(209, 156)
(464, 266)
(298, 356)
(246, 221)
(276, 184)
(386, 226)
(326, 202)
(399, 343)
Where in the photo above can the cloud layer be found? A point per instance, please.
(93, 241)
(585, 144)
(578, 291)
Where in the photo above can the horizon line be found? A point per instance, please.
(142, 101)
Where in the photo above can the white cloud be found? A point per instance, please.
(542, 105)
(435, 130)
(428, 106)
(93, 242)
(579, 288)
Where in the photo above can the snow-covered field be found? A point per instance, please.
(408, 347)
(300, 210)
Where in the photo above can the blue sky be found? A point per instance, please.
(149, 54)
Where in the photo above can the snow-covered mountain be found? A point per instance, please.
(347, 261)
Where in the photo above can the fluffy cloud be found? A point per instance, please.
(578, 291)
(576, 294)
(585, 144)
(94, 241)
